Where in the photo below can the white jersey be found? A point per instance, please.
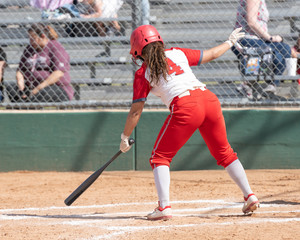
(180, 78)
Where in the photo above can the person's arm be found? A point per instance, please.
(3, 61)
(295, 53)
(252, 13)
(133, 118)
(215, 52)
(20, 80)
(2, 65)
(52, 79)
(98, 11)
(22, 68)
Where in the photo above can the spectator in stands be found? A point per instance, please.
(43, 72)
(104, 9)
(296, 54)
(253, 16)
(56, 9)
(3, 61)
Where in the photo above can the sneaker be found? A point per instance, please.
(240, 89)
(245, 89)
(160, 213)
(270, 88)
(251, 203)
(256, 96)
(249, 92)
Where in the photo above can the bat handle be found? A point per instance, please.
(131, 141)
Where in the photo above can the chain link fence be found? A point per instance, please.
(99, 66)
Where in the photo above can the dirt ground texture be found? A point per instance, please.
(205, 205)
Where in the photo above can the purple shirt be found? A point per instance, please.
(37, 66)
(49, 4)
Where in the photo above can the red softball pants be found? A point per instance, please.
(200, 110)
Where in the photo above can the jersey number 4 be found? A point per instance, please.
(173, 68)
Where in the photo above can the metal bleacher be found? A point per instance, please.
(107, 80)
(207, 23)
(87, 69)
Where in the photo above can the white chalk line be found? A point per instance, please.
(133, 214)
(7, 214)
(121, 230)
(221, 202)
(109, 205)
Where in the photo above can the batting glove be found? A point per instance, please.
(124, 145)
(235, 36)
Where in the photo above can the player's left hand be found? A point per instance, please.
(124, 145)
(236, 35)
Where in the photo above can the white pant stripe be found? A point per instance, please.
(155, 147)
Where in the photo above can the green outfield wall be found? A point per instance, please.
(79, 141)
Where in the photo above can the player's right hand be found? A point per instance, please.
(124, 145)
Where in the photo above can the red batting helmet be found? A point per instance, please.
(142, 36)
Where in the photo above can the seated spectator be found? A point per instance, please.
(3, 61)
(56, 9)
(253, 16)
(104, 9)
(296, 54)
(43, 72)
(82, 9)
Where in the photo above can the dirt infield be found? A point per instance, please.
(206, 205)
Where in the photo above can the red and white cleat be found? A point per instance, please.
(251, 203)
(160, 213)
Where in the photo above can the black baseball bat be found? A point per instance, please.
(88, 182)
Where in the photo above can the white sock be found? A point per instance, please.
(162, 183)
(237, 173)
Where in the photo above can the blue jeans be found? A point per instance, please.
(67, 8)
(281, 51)
(1, 94)
(72, 8)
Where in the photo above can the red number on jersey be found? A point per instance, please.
(173, 68)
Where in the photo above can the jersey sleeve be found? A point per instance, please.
(141, 87)
(194, 56)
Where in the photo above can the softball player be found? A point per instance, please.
(167, 74)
